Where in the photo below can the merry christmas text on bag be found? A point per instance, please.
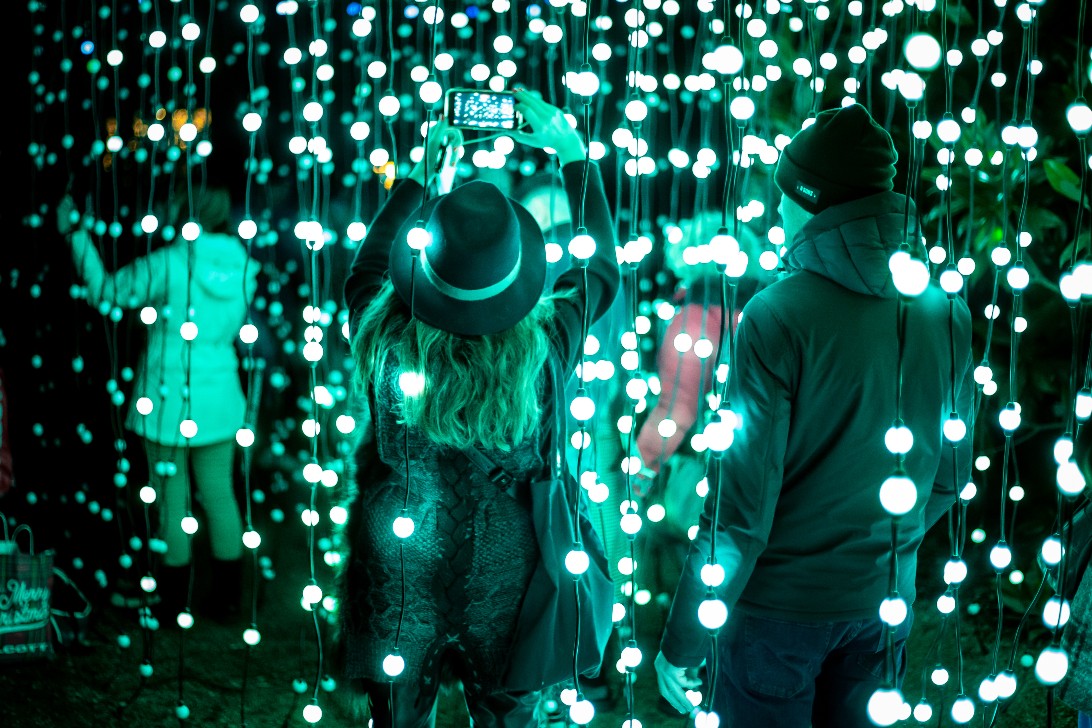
(26, 584)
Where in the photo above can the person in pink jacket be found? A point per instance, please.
(199, 290)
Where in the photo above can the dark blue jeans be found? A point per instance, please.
(780, 674)
(1083, 721)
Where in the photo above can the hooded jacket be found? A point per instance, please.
(222, 283)
(800, 531)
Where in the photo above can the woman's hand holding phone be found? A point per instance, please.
(548, 128)
(442, 153)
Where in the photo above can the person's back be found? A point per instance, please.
(460, 354)
(831, 363)
(834, 323)
(215, 279)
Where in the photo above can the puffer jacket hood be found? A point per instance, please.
(851, 243)
(221, 266)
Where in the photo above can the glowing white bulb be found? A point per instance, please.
(582, 246)
(393, 665)
(922, 51)
(1000, 556)
(244, 436)
(431, 92)
(252, 121)
(1083, 406)
(911, 276)
(389, 105)
(418, 238)
(147, 494)
(1005, 684)
(923, 712)
(1079, 117)
(312, 713)
(742, 108)
(312, 351)
(898, 495)
(411, 383)
(948, 131)
(911, 86)
(252, 539)
(1055, 612)
(955, 571)
(712, 575)
(951, 281)
(312, 594)
(636, 110)
(576, 561)
(403, 526)
(631, 656)
(718, 435)
(884, 706)
(955, 429)
(939, 676)
(1070, 478)
(1018, 277)
(899, 439)
(582, 408)
(1051, 551)
(144, 405)
(581, 712)
(1009, 418)
(252, 636)
(189, 525)
(893, 611)
(1051, 666)
(630, 524)
(712, 613)
(188, 330)
(963, 709)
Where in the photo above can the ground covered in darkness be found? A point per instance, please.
(223, 683)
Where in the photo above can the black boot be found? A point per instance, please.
(172, 586)
(224, 602)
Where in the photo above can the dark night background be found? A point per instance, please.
(58, 474)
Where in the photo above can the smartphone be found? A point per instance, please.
(470, 108)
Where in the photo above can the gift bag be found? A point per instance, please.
(26, 584)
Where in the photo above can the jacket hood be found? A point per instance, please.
(851, 243)
(220, 266)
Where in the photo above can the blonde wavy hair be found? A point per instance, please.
(482, 390)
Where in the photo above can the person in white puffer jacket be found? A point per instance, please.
(214, 279)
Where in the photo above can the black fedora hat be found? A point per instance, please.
(484, 268)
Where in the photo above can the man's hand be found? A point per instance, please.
(674, 682)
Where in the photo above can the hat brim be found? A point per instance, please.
(471, 318)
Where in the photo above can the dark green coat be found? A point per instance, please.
(800, 530)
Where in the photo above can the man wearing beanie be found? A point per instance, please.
(799, 530)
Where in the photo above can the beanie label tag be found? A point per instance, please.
(810, 193)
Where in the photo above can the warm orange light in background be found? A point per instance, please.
(178, 118)
(390, 174)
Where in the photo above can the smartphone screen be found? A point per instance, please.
(473, 109)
